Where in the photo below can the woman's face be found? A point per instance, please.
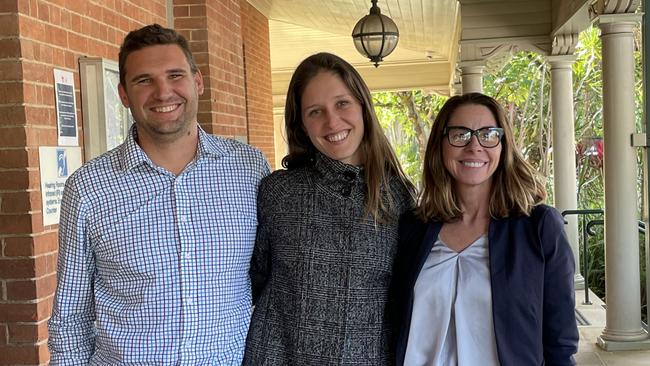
(473, 165)
(333, 118)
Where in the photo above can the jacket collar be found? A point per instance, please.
(335, 170)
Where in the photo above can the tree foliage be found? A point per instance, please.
(407, 117)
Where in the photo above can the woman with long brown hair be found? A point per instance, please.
(484, 274)
(327, 228)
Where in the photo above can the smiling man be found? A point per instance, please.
(156, 235)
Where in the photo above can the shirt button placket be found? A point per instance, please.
(188, 290)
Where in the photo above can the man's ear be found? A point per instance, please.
(198, 79)
(123, 97)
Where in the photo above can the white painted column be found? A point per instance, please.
(564, 163)
(279, 137)
(622, 278)
(472, 78)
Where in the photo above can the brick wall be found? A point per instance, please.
(213, 29)
(37, 36)
(259, 101)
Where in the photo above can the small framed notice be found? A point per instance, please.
(106, 121)
(66, 107)
(56, 163)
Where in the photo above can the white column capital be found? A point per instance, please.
(468, 70)
(612, 24)
(561, 61)
(472, 64)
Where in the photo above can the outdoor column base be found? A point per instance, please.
(578, 282)
(630, 342)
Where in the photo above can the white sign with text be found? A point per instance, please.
(57, 163)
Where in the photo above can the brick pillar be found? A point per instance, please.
(257, 69)
(28, 250)
(213, 29)
(230, 43)
(35, 38)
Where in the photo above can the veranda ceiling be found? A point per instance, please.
(432, 32)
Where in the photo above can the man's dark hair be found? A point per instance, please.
(152, 35)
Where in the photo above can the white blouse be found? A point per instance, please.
(452, 309)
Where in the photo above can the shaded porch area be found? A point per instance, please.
(448, 48)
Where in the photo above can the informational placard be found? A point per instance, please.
(66, 107)
(57, 163)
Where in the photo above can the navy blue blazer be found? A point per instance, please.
(531, 272)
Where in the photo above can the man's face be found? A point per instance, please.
(162, 92)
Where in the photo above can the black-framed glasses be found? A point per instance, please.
(461, 136)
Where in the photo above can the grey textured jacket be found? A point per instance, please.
(320, 270)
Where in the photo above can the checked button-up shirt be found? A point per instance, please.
(153, 267)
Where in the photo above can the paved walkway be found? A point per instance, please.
(589, 354)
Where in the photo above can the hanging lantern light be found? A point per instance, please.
(375, 35)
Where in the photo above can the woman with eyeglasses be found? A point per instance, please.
(484, 271)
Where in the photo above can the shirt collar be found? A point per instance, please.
(132, 155)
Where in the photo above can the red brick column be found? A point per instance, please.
(257, 62)
(213, 29)
(36, 37)
(230, 42)
(28, 256)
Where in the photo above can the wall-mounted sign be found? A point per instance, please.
(66, 107)
(57, 163)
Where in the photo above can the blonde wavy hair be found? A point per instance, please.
(516, 186)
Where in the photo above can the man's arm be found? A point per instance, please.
(71, 328)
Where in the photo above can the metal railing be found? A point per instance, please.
(582, 216)
(588, 230)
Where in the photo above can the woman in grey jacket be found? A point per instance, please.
(327, 228)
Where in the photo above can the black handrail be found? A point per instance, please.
(595, 211)
(589, 231)
(590, 226)
(585, 263)
(592, 223)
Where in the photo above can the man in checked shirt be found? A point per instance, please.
(156, 235)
